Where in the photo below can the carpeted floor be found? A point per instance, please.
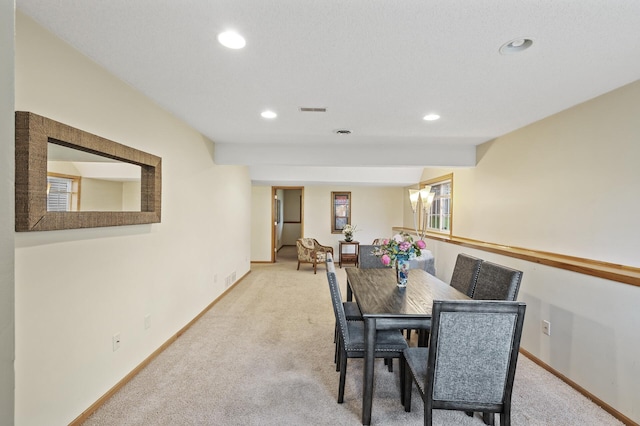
(263, 355)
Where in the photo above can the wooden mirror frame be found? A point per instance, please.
(334, 196)
(33, 133)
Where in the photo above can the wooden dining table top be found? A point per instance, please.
(378, 295)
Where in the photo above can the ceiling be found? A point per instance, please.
(377, 66)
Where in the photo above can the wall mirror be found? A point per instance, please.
(67, 178)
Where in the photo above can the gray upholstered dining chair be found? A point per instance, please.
(497, 282)
(368, 260)
(389, 343)
(449, 376)
(352, 312)
(465, 273)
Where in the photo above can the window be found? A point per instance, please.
(62, 193)
(440, 214)
(340, 211)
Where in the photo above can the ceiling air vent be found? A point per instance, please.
(308, 109)
(343, 132)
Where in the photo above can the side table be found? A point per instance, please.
(349, 256)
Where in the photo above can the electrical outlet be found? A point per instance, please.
(116, 341)
(147, 321)
(546, 328)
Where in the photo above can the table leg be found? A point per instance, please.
(369, 358)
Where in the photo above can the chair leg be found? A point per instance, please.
(343, 376)
(423, 338)
(298, 266)
(505, 419)
(427, 416)
(402, 378)
(488, 418)
(408, 385)
(314, 268)
(469, 413)
(390, 364)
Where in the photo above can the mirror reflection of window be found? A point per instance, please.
(62, 193)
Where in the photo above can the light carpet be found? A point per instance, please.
(263, 355)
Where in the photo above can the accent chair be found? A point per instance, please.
(311, 251)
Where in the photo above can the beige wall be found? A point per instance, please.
(375, 210)
(63, 167)
(131, 196)
(7, 325)
(261, 223)
(567, 184)
(116, 275)
(570, 187)
(292, 204)
(101, 195)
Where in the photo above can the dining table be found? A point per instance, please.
(386, 306)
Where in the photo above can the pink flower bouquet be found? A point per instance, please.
(401, 245)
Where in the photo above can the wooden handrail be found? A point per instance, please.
(609, 271)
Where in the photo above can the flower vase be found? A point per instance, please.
(348, 237)
(402, 271)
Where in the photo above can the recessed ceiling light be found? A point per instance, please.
(431, 117)
(516, 45)
(268, 114)
(232, 40)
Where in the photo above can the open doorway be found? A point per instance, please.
(288, 220)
